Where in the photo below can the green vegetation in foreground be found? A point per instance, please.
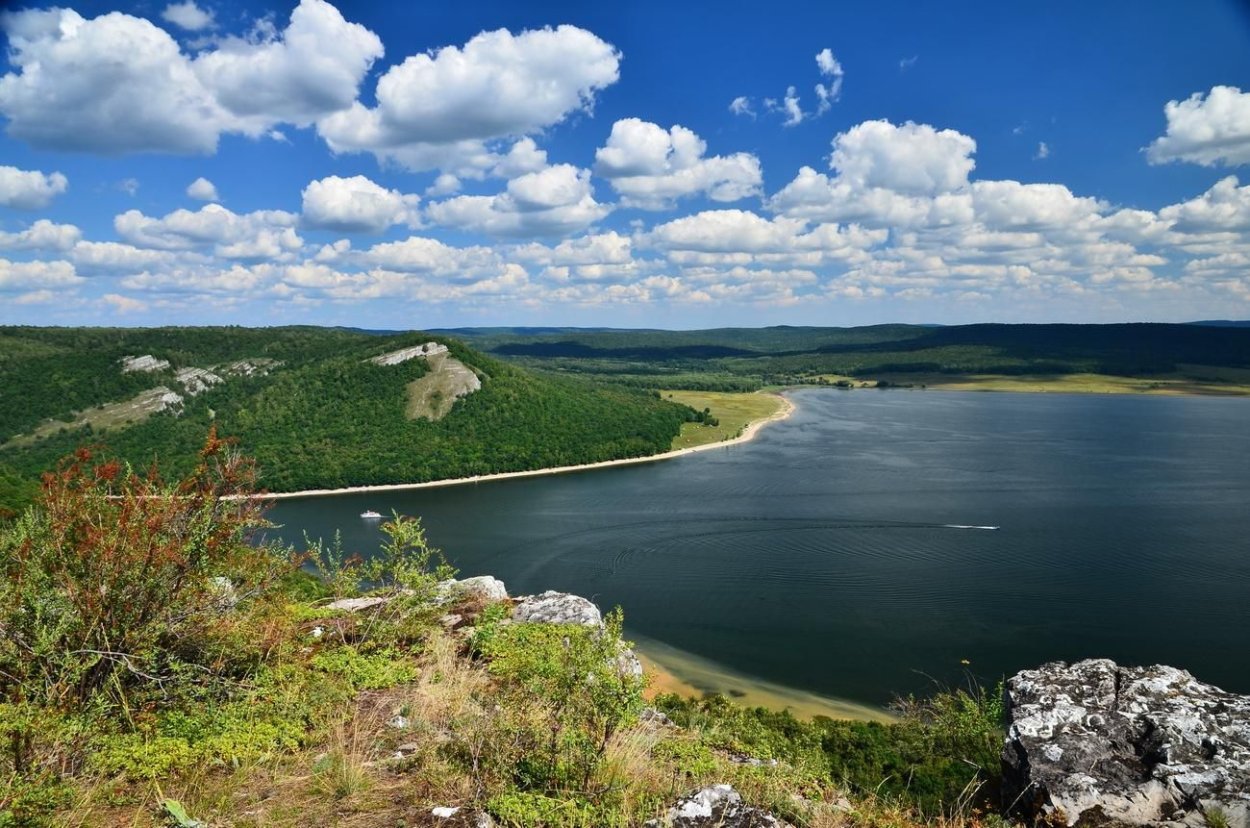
(1133, 358)
(726, 414)
(317, 415)
(157, 669)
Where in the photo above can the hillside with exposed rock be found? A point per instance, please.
(317, 407)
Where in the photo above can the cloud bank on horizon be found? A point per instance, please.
(300, 169)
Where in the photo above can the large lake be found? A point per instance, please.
(823, 555)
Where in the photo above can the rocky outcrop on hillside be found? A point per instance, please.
(145, 363)
(197, 380)
(429, 349)
(1094, 743)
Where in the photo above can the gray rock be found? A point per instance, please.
(459, 817)
(655, 718)
(557, 608)
(627, 664)
(486, 587)
(719, 806)
(145, 363)
(196, 380)
(1098, 744)
(427, 350)
(356, 604)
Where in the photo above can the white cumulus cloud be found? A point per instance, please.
(29, 189)
(37, 275)
(201, 189)
(742, 237)
(912, 158)
(553, 202)
(69, 90)
(436, 110)
(652, 167)
(419, 254)
(42, 235)
(1224, 207)
(264, 234)
(312, 70)
(357, 205)
(108, 256)
(1207, 130)
(188, 16)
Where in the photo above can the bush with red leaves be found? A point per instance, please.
(117, 582)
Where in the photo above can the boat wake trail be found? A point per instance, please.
(963, 526)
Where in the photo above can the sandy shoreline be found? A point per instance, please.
(670, 670)
(748, 434)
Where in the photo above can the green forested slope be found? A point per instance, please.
(324, 417)
(744, 358)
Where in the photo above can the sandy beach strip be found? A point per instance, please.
(670, 670)
(748, 434)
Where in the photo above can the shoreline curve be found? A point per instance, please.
(749, 433)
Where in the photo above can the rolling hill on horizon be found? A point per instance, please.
(747, 358)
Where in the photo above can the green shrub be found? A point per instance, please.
(525, 809)
(372, 671)
(689, 758)
(574, 676)
(26, 800)
(927, 760)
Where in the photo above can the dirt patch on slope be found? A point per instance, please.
(434, 394)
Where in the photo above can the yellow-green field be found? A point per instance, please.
(735, 411)
(1216, 382)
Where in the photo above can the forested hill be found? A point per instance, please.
(744, 358)
(307, 403)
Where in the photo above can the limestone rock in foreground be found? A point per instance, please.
(719, 806)
(486, 587)
(553, 607)
(1093, 743)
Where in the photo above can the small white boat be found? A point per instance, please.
(369, 514)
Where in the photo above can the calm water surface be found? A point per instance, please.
(821, 555)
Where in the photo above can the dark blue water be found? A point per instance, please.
(819, 555)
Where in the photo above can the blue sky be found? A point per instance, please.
(672, 165)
